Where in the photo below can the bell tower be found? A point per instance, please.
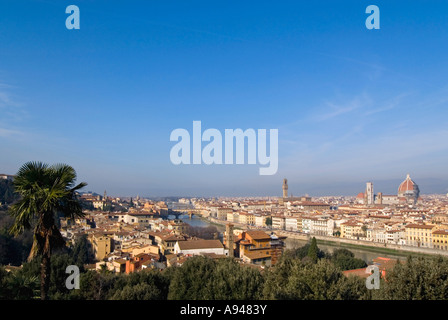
(285, 188)
(229, 239)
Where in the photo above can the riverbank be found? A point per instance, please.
(378, 250)
(373, 247)
(390, 249)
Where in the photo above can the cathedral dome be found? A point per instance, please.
(407, 185)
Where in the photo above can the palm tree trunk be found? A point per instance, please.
(45, 269)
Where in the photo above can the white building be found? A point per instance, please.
(321, 226)
(223, 212)
(260, 220)
(278, 222)
(306, 224)
(197, 247)
(381, 236)
(395, 236)
(291, 224)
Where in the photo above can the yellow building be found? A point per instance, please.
(138, 249)
(230, 217)
(420, 235)
(351, 229)
(247, 218)
(101, 246)
(299, 224)
(254, 245)
(223, 212)
(440, 239)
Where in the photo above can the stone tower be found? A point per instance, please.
(285, 188)
(229, 239)
(369, 194)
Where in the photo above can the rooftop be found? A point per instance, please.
(200, 244)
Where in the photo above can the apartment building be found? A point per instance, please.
(247, 218)
(440, 239)
(260, 220)
(351, 229)
(291, 224)
(222, 213)
(259, 247)
(101, 245)
(232, 217)
(306, 224)
(419, 235)
(321, 226)
(278, 222)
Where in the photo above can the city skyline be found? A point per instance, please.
(382, 187)
(351, 105)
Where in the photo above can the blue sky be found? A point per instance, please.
(351, 104)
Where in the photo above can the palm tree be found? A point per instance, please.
(45, 192)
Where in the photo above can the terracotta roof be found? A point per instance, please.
(420, 226)
(258, 235)
(120, 261)
(200, 244)
(256, 254)
(406, 185)
(356, 272)
(440, 232)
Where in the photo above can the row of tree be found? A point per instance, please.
(297, 276)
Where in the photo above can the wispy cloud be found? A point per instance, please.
(334, 109)
(10, 106)
(387, 105)
(5, 100)
(4, 132)
(12, 113)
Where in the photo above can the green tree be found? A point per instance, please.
(13, 250)
(45, 191)
(7, 194)
(94, 285)
(81, 251)
(302, 252)
(233, 281)
(313, 250)
(143, 285)
(268, 221)
(417, 279)
(190, 280)
(345, 260)
(293, 279)
(21, 286)
(202, 278)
